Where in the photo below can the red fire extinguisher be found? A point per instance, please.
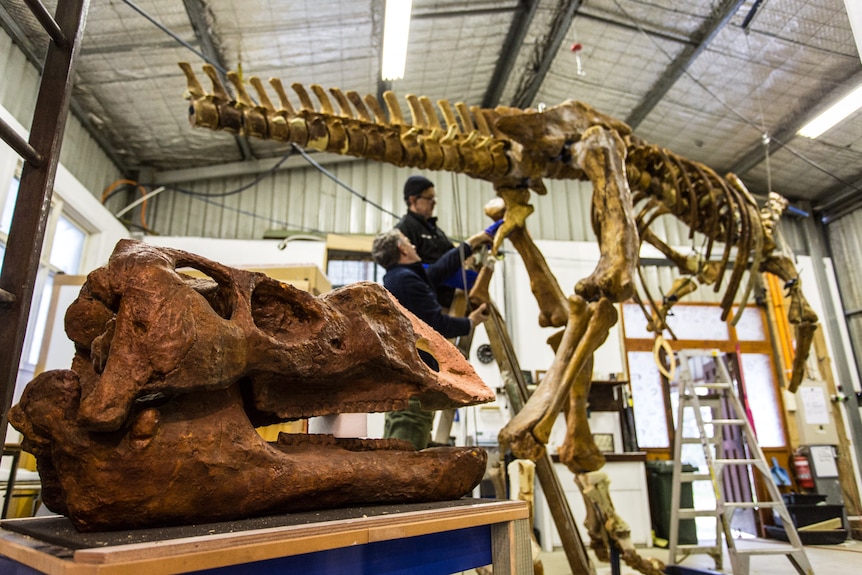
(803, 472)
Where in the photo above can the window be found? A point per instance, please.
(656, 400)
(700, 327)
(9, 206)
(345, 267)
(67, 249)
(65, 242)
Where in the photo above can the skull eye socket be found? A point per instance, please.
(217, 294)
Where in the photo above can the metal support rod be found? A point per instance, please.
(29, 220)
(19, 144)
(518, 394)
(47, 21)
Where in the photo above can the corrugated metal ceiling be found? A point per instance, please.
(705, 78)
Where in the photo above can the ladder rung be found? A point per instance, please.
(716, 385)
(725, 422)
(736, 461)
(776, 550)
(689, 477)
(702, 400)
(752, 504)
(692, 513)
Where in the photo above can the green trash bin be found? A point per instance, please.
(660, 486)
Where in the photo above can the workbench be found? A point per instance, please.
(424, 539)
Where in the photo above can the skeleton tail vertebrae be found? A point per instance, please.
(357, 126)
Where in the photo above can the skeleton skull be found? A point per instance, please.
(155, 422)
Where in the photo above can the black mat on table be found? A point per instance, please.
(58, 530)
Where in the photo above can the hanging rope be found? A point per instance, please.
(459, 231)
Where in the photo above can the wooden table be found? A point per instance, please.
(432, 539)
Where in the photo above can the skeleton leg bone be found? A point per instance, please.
(527, 433)
(800, 314)
(579, 451)
(553, 307)
(595, 488)
(601, 154)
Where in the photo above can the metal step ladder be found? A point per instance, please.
(693, 397)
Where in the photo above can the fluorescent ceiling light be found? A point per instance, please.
(837, 112)
(395, 29)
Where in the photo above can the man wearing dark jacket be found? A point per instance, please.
(413, 285)
(420, 227)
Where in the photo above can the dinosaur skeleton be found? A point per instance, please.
(515, 150)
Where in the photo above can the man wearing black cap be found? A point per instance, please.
(421, 229)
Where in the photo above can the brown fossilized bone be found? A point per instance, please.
(515, 150)
(155, 422)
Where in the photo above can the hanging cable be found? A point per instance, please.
(119, 186)
(459, 230)
(185, 44)
(332, 177)
(258, 179)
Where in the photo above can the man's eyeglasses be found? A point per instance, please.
(428, 198)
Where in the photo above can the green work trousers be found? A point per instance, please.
(412, 424)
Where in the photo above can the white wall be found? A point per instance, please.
(569, 262)
(247, 253)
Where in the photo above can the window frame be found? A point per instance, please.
(731, 345)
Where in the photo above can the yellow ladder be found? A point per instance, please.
(693, 397)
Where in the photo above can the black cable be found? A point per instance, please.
(286, 225)
(331, 176)
(118, 189)
(240, 189)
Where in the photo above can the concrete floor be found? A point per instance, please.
(842, 559)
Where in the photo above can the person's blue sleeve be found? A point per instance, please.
(448, 264)
(418, 297)
(492, 229)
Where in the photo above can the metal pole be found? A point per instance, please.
(29, 220)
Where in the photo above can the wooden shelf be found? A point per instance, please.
(471, 532)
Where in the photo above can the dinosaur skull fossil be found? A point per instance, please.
(154, 424)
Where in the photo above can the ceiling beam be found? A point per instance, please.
(521, 20)
(812, 105)
(844, 198)
(664, 35)
(701, 38)
(544, 54)
(197, 13)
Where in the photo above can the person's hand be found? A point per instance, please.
(477, 240)
(479, 315)
(492, 229)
